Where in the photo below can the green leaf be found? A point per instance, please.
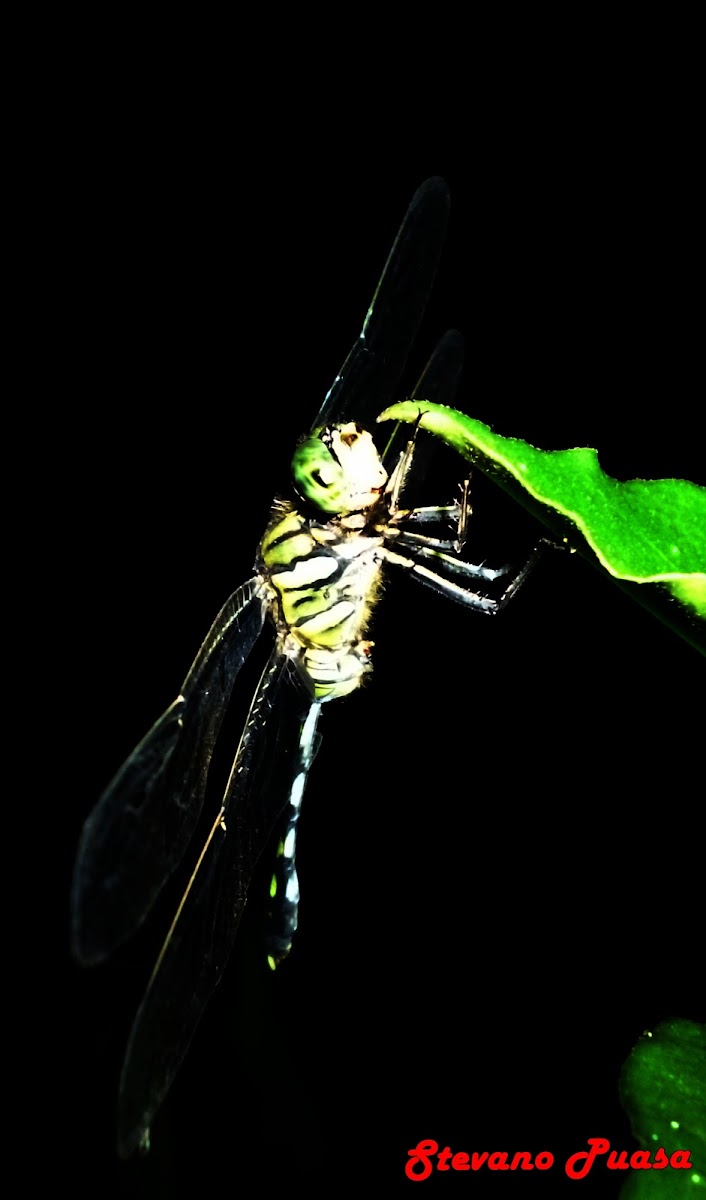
(663, 1091)
(651, 533)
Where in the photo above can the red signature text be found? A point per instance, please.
(420, 1164)
(640, 1160)
(427, 1157)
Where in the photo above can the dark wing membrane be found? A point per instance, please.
(138, 832)
(201, 938)
(367, 380)
(437, 384)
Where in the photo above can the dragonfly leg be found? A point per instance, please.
(432, 551)
(450, 514)
(454, 514)
(466, 512)
(401, 471)
(455, 588)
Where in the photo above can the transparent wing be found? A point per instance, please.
(437, 384)
(138, 832)
(269, 765)
(142, 825)
(368, 378)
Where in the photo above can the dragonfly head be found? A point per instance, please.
(338, 470)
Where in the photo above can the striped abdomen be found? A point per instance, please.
(324, 580)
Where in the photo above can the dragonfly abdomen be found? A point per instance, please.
(283, 915)
(324, 579)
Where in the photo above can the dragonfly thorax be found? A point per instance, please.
(338, 470)
(323, 579)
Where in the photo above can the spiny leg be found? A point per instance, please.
(432, 552)
(456, 591)
(432, 549)
(456, 514)
(398, 477)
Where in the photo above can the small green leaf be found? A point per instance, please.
(646, 532)
(663, 1091)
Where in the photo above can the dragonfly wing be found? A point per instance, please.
(138, 831)
(437, 384)
(367, 380)
(266, 772)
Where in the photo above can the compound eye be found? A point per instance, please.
(318, 477)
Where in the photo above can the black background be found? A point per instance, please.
(498, 862)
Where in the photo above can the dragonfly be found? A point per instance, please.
(315, 584)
